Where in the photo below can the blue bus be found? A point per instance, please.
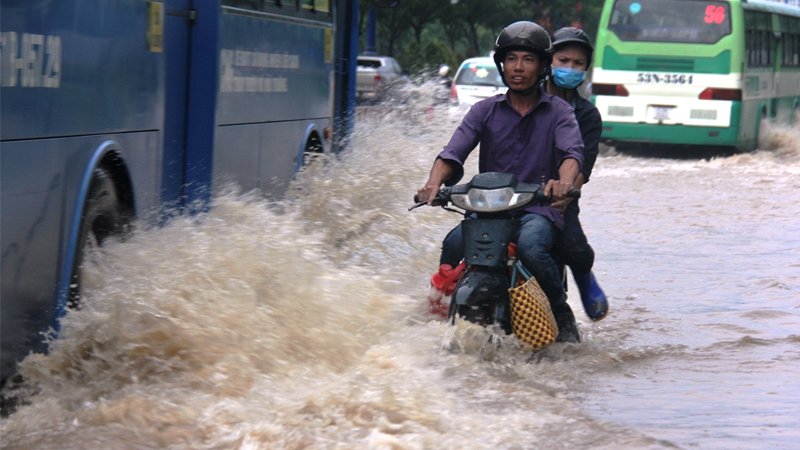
(114, 111)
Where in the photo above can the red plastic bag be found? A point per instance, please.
(443, 283)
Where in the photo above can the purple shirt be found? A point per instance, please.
(530, 146)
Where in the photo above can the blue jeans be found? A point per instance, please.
(535, 239)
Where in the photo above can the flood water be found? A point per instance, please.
(302, 324)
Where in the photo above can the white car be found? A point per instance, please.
(376, 73)
(477, 79)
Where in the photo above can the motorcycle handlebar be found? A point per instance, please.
(574, 193)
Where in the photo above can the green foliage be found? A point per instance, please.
(468, 27)
(425, 59)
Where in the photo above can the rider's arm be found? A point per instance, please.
(464, 140)
(440, 172)
(591, 126)
(449, 165)
(567, 137)
(569, 171)
(567, 174)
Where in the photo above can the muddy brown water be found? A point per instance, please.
(301, 323)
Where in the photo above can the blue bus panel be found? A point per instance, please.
(171, 98)
(43, 187)
(72, 68)
(275, 84)
(78, 82)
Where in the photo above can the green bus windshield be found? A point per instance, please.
(686, 21)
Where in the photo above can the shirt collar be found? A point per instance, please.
(544, 97)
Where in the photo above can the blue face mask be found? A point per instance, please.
(567, 78)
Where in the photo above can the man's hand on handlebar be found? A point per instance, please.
(428, 194)
(557, 190)
(440, 172)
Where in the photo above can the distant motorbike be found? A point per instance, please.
(490, 201)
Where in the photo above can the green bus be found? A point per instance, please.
(712, 72)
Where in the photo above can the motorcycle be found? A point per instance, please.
(489, 203)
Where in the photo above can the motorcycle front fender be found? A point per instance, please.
(477, 286)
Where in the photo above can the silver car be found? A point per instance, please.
(376, 73)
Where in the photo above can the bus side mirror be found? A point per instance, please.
(386, 3)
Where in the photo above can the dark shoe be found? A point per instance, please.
(567, 327)
(594, 299)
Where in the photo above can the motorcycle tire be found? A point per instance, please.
(482, 315)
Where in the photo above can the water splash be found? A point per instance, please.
(300, 323)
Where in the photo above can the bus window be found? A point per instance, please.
(759, 44)
(244, 4)
(322, 5)
(670, 21)
(317, 5)
(316, 9)
(790, 41)
(255, 5)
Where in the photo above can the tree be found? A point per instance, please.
(451, 24)
(470, 27)
(425, 60)
(419, 13)
(479, 21)
(392, 25)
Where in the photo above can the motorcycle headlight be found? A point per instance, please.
(490, 200)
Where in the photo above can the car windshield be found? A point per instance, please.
(670, 21)
(371, 63)
(479, 74)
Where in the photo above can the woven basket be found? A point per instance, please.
(531, 316)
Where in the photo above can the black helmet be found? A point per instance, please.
(574, 35)
(524, 36)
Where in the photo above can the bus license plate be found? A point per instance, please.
(661, 112)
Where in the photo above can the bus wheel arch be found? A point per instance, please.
(312, 149)
(106, 208)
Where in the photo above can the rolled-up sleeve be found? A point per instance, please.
(464, 140)
(568, 141)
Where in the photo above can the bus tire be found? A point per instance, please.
(313, 150)
(103, 217)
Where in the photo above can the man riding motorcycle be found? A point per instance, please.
(532, 135)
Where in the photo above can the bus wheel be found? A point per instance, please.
(313, 151)
(103, 217)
